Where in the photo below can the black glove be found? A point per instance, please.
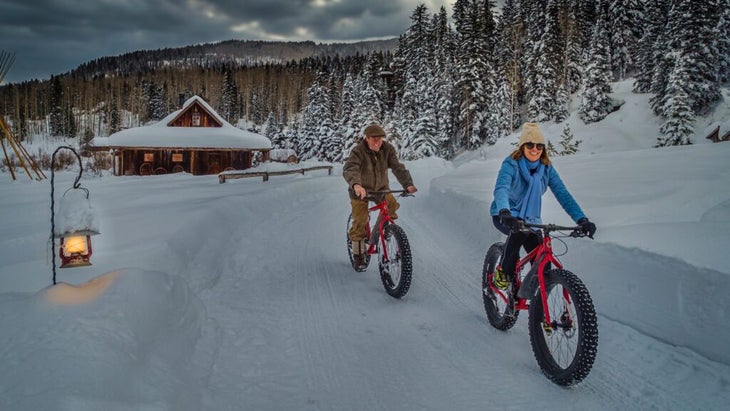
(506, 218)
(587, 227)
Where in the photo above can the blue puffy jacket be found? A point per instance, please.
(511, 187)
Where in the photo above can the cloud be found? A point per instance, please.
(55, 36)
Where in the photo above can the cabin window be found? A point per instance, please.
(177, 157)
(196, 119)
(149, 157)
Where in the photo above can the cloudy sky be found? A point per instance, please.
(55, 36)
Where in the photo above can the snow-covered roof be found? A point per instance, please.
(162, 135)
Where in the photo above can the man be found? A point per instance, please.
(366, 169)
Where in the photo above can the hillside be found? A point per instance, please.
(235, 52)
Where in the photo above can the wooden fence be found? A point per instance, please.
(228, 175)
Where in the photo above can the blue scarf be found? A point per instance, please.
(531, 205)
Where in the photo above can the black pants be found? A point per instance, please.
(513, 243)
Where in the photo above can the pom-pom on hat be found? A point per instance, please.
(374, 130)
(531, 134)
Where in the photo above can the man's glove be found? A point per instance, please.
(506, 218)
(587, 227)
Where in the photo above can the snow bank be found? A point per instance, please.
(115, 340)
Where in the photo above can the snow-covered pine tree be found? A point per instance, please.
(444, 78)
(678, 127)
(423, 140)
(567, 145)
(228, 104)
(595, 101)
(533, 13)
(623, 20)
(273, 130)
(154, 102)
(316, 131)
(722, 30)
(256, 112)
(696, 26)
(417, 51)
(651, 45)
(348, 127)
(562, 101)
(542, 105)
(572, 49)
(56, 117)
(475, 34)
(508, 57)
(406, 114)
(691, 23)
(113, 118)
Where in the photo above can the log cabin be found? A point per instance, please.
(194, 139)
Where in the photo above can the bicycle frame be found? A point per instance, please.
(540, 255)
(377, 235)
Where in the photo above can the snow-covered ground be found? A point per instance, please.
(208, 296)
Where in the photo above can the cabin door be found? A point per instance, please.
(214, 163)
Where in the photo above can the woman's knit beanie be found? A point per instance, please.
(531, 134)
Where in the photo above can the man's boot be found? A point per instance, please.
(359, 249)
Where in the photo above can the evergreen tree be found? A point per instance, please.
(22, 125)
(69, 125)
(113, 118)
(316, 131)
(476, 75)
(697, 27)
(256, 111)
(228, 105)
(722, 30)
(154, 101)
(272, 127)
(623, 19)
(56, 118)
(562, 101)
(595, 101)
(348, 127)
(509, 51)
(406, 114)
(542, 105)
(680, 117)
(501, 111)
(651, 46)
(568, 146)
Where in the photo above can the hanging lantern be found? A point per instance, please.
(77, 222)
(75, 249)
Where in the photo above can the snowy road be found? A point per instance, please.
(284, 323)
(296, 328)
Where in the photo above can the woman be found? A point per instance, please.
(523, 178)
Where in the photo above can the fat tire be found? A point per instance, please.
(349, 245)
(399, 288)
(505, 317)
(579, 361)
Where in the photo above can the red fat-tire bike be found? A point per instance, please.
(562, 319)
(388, 241)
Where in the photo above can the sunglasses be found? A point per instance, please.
(532, 145)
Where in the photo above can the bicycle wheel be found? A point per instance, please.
(396, 270)
(498, 304)
(566, 348)
(349, 244)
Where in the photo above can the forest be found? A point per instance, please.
(450, 83)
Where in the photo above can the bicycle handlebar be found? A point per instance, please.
(403, 193)
(576, 231)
